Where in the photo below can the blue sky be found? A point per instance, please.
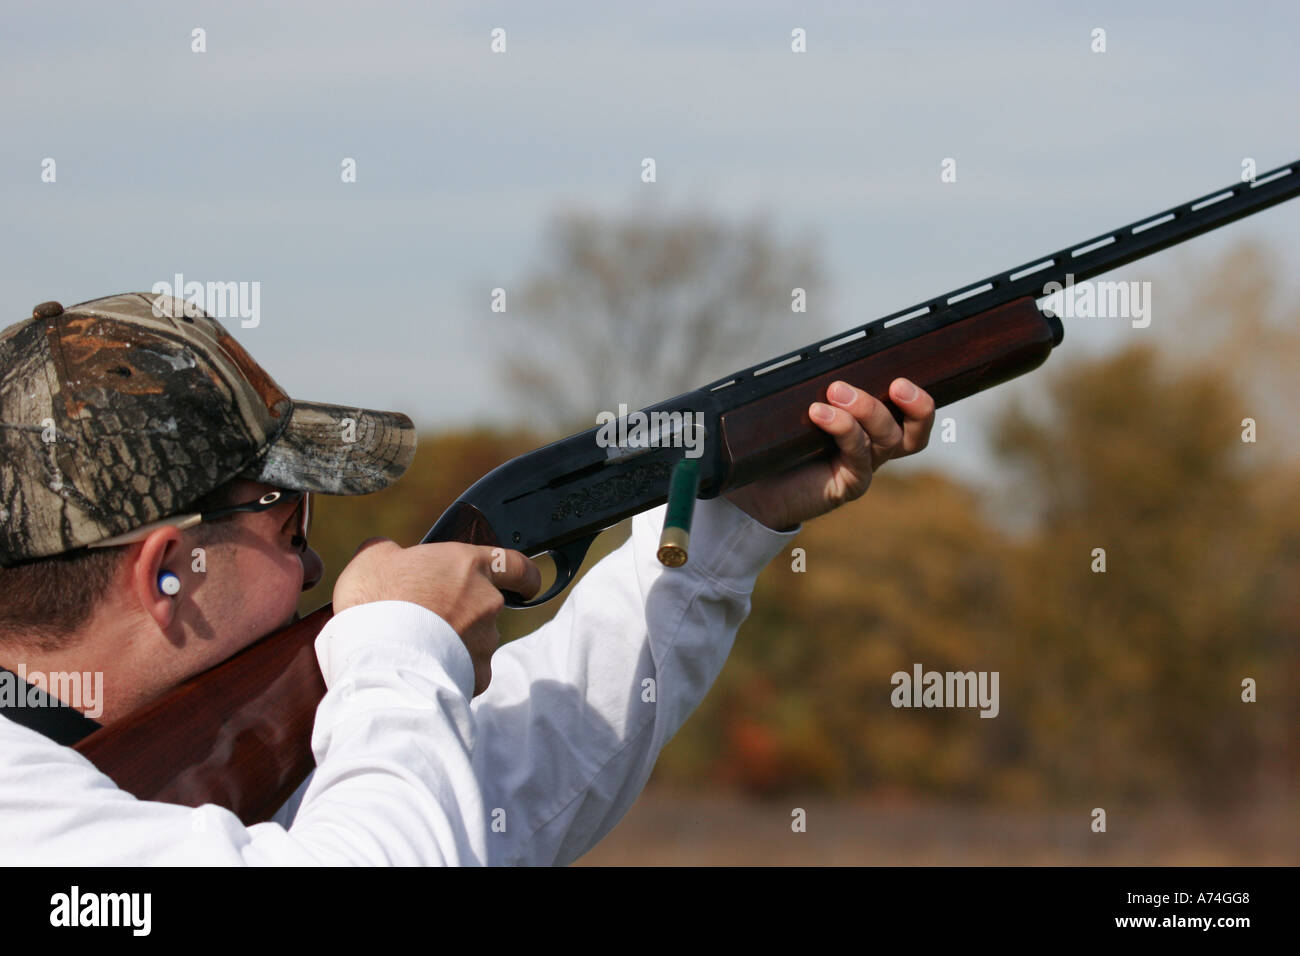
(225, 165)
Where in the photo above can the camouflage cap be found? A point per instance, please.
(124, 410)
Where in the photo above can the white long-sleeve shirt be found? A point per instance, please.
(411, 769)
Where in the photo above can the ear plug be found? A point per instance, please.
(169, 583)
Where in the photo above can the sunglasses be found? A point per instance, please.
(271, 499)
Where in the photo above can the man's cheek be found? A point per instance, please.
(290, 589)
(271, 590)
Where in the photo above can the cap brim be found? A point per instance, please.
(335, 450)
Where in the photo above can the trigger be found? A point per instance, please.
(568, 559)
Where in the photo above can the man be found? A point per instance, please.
(154, 490)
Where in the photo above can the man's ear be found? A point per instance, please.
(147, 561)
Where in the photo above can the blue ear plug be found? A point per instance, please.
(169, 583)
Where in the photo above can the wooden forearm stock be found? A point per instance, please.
(239, 735)
(952, 362)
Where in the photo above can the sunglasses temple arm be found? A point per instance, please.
(142, 532)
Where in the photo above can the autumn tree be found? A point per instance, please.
(636, 308)
(1157, 573)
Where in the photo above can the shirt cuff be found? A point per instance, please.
(396, 628)
(728, 546)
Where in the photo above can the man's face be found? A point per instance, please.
(254, 571)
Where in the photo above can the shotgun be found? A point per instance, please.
(239, 734)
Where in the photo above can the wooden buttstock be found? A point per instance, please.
(238, 735)
(774, 433)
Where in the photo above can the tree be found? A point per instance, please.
(1238, 316)
(1119, 686)
(637, 308)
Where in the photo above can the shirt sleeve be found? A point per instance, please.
(394, 781)
(578, 711)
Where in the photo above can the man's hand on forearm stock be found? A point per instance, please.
(867, 436)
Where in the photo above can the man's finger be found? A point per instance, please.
(873, 416)
(512, 571)
(855, 453)
(918, 414)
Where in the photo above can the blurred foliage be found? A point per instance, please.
(1118, 685)
(1114, 686)
(636, 308)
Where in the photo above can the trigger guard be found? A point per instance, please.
(568, 559)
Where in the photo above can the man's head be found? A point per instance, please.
(47, 603)
(138, 423)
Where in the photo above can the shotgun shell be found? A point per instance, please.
(675, 540)
(673, 545)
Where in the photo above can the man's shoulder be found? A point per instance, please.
(33, 765)
(24, 752)
(60, 810)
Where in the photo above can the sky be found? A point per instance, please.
(225, 165)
